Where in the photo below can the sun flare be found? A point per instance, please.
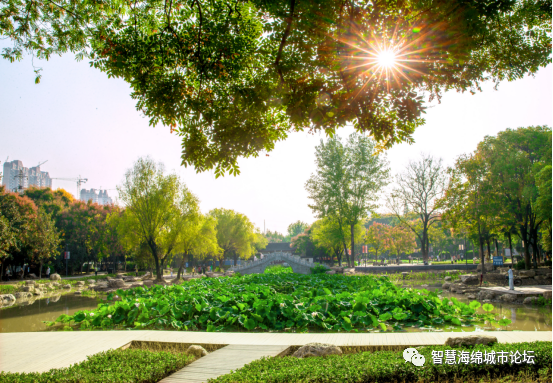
(386, 58)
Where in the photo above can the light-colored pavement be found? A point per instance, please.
(525, 290)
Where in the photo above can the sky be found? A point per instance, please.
(86, 124)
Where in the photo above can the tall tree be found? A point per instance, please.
(234, 78)
(347, 181)
(469, 202)
(295, 228)
(236, 235)
(44, 239)
(543, 204)
(375, 236)
(417, 191)
(160, 206)
(400, 240)
(514, 159)
(199, 238)
(17, 214)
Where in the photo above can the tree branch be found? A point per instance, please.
(284, 37)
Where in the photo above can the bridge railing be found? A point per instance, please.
(272, 257)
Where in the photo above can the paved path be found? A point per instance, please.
(222, 362)
(42, 351)
(526, 290)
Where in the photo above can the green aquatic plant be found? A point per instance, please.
(274, 302)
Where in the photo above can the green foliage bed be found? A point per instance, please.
(121, 366)
(282, 302)
(389, 366)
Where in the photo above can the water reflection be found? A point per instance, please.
(28, 315)
(523, 317)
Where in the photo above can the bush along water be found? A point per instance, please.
(281, 302)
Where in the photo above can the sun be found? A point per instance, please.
(386, 59)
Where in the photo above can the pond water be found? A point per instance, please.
(29, 317)
(523, 317)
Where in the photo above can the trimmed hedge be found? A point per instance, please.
(389, 366)
(121, 366)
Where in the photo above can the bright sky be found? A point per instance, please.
(86, 124)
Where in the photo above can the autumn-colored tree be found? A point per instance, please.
(400, 240)
(44, 239)
(294, 229)
(376, 236)
(17, 214)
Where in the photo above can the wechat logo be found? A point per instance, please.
(413, 356)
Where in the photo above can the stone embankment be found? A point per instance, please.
(470, 286)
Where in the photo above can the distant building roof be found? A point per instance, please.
(278, 246)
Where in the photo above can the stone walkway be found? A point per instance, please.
(526, 290)
(42, 351)
(222, 362)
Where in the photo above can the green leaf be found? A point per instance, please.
(250, 324)
(487, 307)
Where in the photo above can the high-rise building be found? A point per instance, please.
(103, 198)
(96, 196)
(16, 177)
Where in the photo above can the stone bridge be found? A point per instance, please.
(298, 265)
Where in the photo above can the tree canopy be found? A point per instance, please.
(236, 234)
(347, 181)
(159, 206)
(233, 78)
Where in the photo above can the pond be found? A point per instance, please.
(29, 317)
(523, 317)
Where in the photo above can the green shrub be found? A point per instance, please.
(319, 269)
(389, 366)
(278, 269)
(547, 263)
(111, 366)
(521, 265)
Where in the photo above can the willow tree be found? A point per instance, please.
(232, 78)
(237, 235)
(158, 206)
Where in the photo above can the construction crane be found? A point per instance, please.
(41, 163)
(79, 180)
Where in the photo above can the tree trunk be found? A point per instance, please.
(526, 247)
(482, 259)
(352, 226)
(40, 271)
(425, 244)
(181, 267)
(510, 245)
